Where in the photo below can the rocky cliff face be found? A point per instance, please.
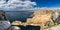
(42, 18)
(2, 16)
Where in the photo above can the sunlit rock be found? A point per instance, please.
(16, 23)
(16, 28)
(40, 18)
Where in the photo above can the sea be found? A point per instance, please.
(21, 16)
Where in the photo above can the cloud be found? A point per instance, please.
(16, 4)
(22, 5)
(2, 3)
(46, 8)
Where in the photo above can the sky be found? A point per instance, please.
(29, 4)
(47, 3)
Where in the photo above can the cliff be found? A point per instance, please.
(46, 19)
(40, 18)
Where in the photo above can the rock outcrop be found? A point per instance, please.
(40, 18)
(43, 18)
(56, 27)
(4, 23)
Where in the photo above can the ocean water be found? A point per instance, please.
(21, 16)
(18, 15)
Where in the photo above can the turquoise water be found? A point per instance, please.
(21, 16)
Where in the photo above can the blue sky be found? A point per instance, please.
(28, 4)
(47, 3)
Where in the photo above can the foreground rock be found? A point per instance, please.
(57, 27)
(16, 28)
(4, 22)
